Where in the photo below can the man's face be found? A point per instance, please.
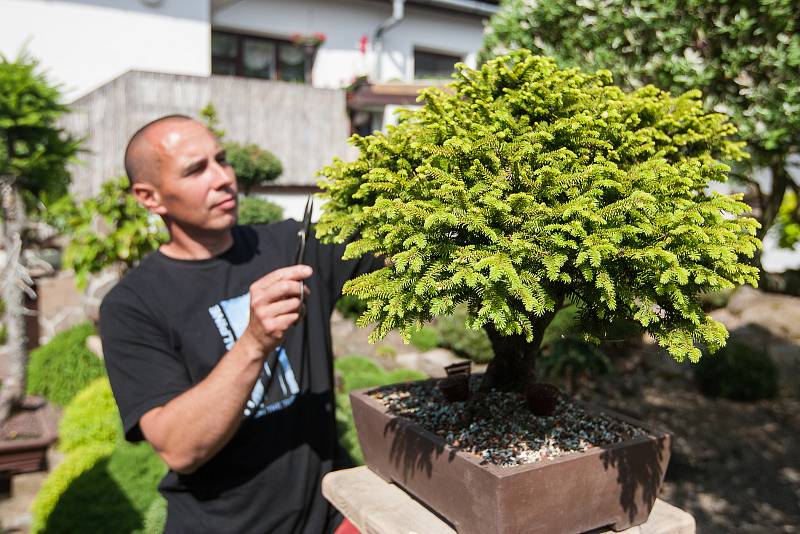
(195, 186)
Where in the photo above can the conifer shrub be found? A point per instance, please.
(91, 417)
(62, 367)
(738, 372)
(99, 488)
(253, 210)
(529, 187)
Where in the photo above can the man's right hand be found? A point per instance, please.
(275, 306)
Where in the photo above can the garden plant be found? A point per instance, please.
(34, 152)
(528, 188)
(743, 55)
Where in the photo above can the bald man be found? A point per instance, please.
(188, 333)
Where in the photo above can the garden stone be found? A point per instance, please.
(96, 289)
(780, 314)
(95, 346)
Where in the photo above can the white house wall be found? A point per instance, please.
(344, 23)
(86, 43)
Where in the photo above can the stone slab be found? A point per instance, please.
(378, 507)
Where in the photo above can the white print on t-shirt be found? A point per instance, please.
(231, 317)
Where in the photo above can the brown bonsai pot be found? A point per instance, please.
(542, 398)
(25, 437)
(455, 387)
(614, 485)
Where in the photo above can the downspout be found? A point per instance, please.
(398, 13)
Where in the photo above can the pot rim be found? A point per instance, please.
(653, 434)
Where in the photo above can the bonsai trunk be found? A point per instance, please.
(12, 279)
(514, 363)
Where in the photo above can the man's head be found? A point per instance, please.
(177, 170)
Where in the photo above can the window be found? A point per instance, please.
(257, 57)
(433, 64)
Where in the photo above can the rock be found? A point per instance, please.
(95, 346)
(97, 288)
(433, 362)
(780, 314)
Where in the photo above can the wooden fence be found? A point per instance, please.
(304, 126)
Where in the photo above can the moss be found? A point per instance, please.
(64, 366)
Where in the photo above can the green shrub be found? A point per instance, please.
(350, 306)
(130, 233)
(99, 486)
(426, 338)
(358, 372)
(156, 516)
(569, 358)
(63, 366)
(253, 210)
(738, 372)
(562, 325)
(59, 481)
(252, 164)
(91, 417)
(466, 342)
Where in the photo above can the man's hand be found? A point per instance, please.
(275, 306)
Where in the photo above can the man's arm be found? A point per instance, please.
(191, 428)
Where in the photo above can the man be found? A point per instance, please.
(189, 337)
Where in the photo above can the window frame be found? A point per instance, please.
(431, 52)
(238, 61)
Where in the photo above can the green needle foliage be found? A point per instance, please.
(744, 55)
(34, 151)
(529, 187)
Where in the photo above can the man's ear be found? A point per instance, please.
(149, 197)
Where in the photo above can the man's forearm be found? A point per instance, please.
(191, 428)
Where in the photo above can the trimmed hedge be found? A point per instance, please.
(91, 418)
(99, 488)
(60, 369)
(253, 210)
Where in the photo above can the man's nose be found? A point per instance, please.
(223, 175)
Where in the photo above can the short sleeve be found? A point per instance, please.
(144, 369)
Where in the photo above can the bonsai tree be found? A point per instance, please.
(34, 153)
(529, 187)
(743, 56)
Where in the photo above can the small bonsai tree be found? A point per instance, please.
(744, 56)
(529, 187)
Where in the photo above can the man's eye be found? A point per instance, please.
(222, 160)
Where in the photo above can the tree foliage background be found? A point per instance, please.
(744, 55)
(529, 187)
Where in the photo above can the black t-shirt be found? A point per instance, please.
(166, 325)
